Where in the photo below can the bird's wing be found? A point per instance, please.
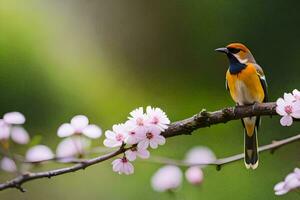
(226, 81)
(263, 81)
(226, 85)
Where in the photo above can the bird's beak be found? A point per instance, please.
(222, 50)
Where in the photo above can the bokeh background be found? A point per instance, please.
(104, 58)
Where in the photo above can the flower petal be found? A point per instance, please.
(289, 98)
(292, 184)
(280, 107)
(129, 168)
(14, 118)
(65, 130)
(19, 135)
(8, 165)
(137, 112)
(39, 153)
(296, 114)
(279, 186)
(281, 192)
(160, 140)
(110, 134)
(92, 131)
(286, 120)
(143, 153)
(296, 110)
(117, 165)
(111, 143)
(153, 144)
(131, 155)
(296, 94)
(79, 122)
(290, 176)
(4, 130)
(143, 144)
(280, 102)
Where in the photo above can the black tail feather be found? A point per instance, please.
(251, 150)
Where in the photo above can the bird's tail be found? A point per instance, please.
(251, 144)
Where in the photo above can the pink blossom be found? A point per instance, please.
(132, 153)
(8, 165)
(166, 178)
(72, 147)
(296, 94)
(39, 153)
(79, 125)
(194, 175)
(138, 119)
(133, 133)
(291, 182)
(156, 117)
(116, 137)
(9, 129)
(152, 137)
(122, 166)
(200, 155)
(288, 108)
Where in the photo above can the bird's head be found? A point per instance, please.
(238, 51)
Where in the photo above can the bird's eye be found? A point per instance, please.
(233, 50)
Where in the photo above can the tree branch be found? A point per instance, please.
(206, 119)
(186, 126)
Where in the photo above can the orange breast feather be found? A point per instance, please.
(245, 87)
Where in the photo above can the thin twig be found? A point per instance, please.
(222, 161)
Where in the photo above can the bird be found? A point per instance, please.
(247, 85)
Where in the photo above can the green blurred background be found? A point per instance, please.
(104, 58)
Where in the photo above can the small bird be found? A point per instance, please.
(247, 85)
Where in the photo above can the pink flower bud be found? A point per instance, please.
(194, 175)
(166, 178)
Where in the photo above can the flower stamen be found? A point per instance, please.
(149, 135)
(288, 109)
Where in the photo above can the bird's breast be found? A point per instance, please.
(245, 87)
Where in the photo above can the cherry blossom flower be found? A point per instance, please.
(138, 120)
(79, 125)
(194, 175)
(72, 147)
(291, 182)
(288, 108)
(152, 138)
(132, 153)
(157, 117)
(39, 153)
(133, 133)
(166, 178)
(116, 137)
(8, 165)
(122, 166)
(9, 127)
(296, 94)
(200, 155)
